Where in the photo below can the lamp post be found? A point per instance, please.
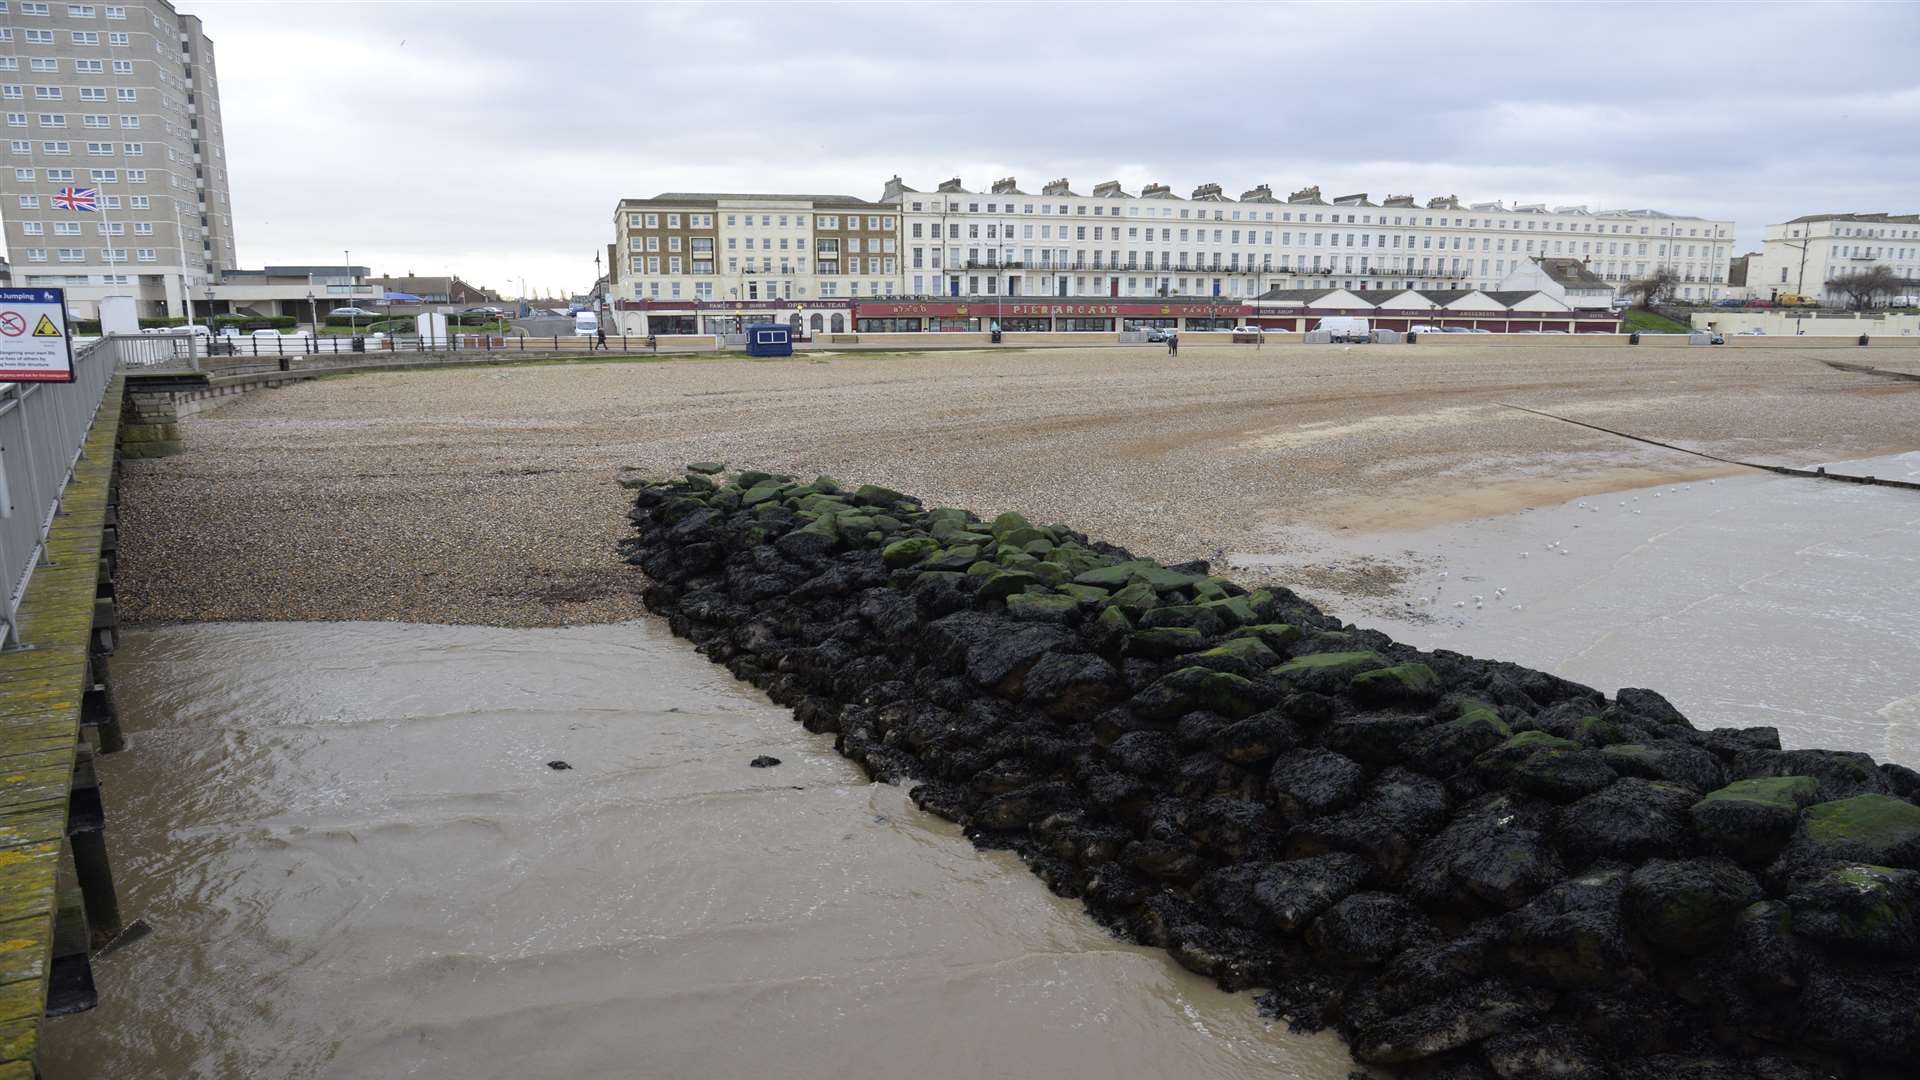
(313, 305)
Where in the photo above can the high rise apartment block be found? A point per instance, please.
(115, 182)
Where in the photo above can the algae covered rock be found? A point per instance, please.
(1327, 672)
(1446, 748)
(1399, 684)
(1870, 910)
(1876, 829)
(1749, 820)
(1545, 765)
(1241, 656)
(908, 551)
(1192, 688)
(1042, 607)
(1162, 641)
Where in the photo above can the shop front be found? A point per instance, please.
(1017, 316)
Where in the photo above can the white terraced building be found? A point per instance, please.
(1802, 255)
(1116, 243)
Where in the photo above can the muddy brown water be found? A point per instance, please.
(357, 863)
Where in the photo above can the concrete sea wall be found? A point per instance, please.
(1469, 868)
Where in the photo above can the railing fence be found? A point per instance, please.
(43, 427)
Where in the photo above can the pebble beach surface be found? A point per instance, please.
(487, 495)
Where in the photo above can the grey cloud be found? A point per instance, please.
(496, 140)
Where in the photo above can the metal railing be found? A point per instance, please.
(43, 427)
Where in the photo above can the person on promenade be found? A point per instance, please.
(600, 338)
(1173, 344)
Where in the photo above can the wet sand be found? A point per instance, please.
(486, 496)
(357, 863)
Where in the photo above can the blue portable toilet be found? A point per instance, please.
(769, 339)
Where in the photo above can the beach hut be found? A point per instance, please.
(769, 339)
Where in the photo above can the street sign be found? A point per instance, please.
(34, 343)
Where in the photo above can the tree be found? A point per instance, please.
(1863, 285)
(1657, 289)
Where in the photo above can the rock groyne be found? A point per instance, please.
(1469, 868)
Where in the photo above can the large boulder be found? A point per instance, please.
(1871, 1014)
(1569, 937)
(1876, 829)
(1072, 685)
(1494, 855)
(1328, 672)
(1674, 762)
(1366, 928)
(1547, 1052)
(1192, 688)
(1401, 684)
(1292, 894)
(1459, 1019)
(1632, 820)
(1446, 748)
(1749, 820)
(994, 652)
(1258, 738)
(1840, 773)
(1544, 765)
(1867, 910)
(1688, 905)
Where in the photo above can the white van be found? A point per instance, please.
(585, 324)
(1346, 328)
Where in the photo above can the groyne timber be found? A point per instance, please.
(1466, 867)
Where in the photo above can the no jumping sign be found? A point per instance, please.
(34, 343)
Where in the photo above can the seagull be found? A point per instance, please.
(1516, 607)
(1459, 603)
(1563, 551)
(1523, 554)
(1443, 575)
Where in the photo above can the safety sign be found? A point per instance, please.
(34, 343)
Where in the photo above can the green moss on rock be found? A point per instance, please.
(1792, 792)
(1329, 662)
(909, 551)
(1401, 682)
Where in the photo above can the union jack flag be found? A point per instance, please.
(72, 198)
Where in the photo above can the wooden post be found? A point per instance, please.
(87, 836)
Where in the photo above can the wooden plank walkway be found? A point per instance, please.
(41, 693)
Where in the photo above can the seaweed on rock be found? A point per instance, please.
(1466, 867)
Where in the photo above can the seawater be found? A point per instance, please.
(1747, 601)
(357, 862)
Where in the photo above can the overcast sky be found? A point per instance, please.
(493, 139)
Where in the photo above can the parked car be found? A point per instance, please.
(1787, 299)
(1248, 330)
(1729, 303)
(1755, 332)
(1158, 333)
(1423, 329)
(1346, 328)
(354, 313)
(484, 310)
(1456, 330)
(1478, 330)
(1759, 303)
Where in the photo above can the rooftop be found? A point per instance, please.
(1877, 218)
(1572, 274)
(1260, 193)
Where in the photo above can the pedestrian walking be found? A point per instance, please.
(600, 338)
(1173, 344)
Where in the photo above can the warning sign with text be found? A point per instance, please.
(34, 344)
